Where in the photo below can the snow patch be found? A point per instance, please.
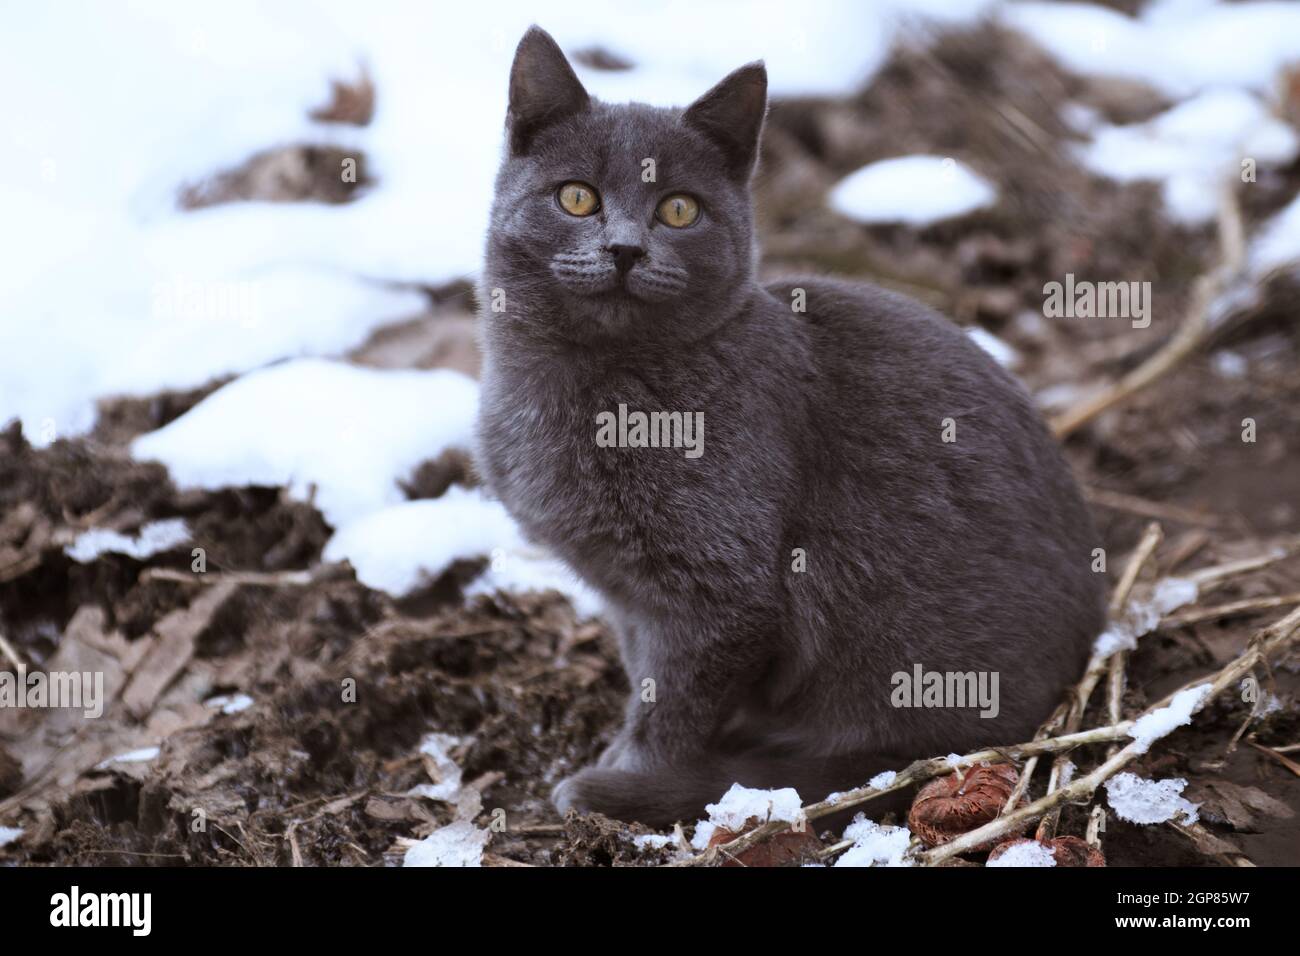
(1175, 46)
(916, 190)
(1002, 353)
(154, 538)
(704, 831)
(1227, 364)
(1026, 853)
(1193, 148)
(875, 845)
(740, 804)
(106, 268)
(9, 835)
(405, 546)
(883, 779)
(229, 703)
(445, 771)
(348, 433)
(1151, 727)
(1172, 593)
(1141, 617)
(143, 755)
(457, 844)
(1277, 244)
(653, 841)
(1149, 801)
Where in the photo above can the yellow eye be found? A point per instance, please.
(679, 211)
(578, 199)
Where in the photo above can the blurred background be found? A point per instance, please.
(237, 339)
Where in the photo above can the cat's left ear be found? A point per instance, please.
(731, 114)
(543, 89)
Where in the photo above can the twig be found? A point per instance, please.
(253, 578)
(1264, 644)
(1271, 639)
(1027, 772)
(1096, 820)
(1100, 663)
(1190, 335)
(835, 849)
(1274, 755)
(1152, 535)
(1203, 577)
(1131, 504)
(1211, 845)
(917, 772)
(1233, 609)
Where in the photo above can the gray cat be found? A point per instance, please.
(869, 496)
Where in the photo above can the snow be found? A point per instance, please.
(158, 95)
(880, 781)
(704, 831)
(1149, 801)
(229, 703)
(1193, 148)
(9, 835)
(348, 433)
(1218, 62)
(343, 438)
(741, 804)
(883, 779)
(1227, 364)
(916, 190)
(109, 289)
(1024, 853)
(1180, 47)
(1001, 352)
(1170, 594)
(1114, 638)
(154, 538)
(875, 845)
(1142, 616)
(457, 844)
(653, 840)
(399, 548)
(1148, 729)
(1267, 704)
(143, 755)
(1277, 244)
(444, 770)
(520, 568)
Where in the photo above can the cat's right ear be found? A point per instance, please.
(543, 89)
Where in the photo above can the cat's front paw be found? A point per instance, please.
(567, 795)
(597, 790)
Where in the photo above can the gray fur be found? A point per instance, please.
(823, 433)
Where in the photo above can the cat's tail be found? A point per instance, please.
(680, 795)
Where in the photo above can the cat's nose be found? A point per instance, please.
(625, 256)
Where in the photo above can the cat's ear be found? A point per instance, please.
(543, 89)
(731, 114)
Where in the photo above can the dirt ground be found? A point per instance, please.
(303, 776)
